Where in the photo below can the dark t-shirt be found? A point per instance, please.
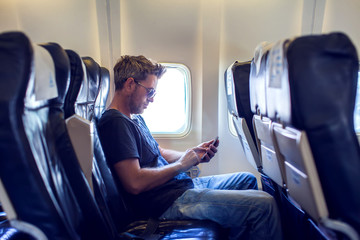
(123, 138)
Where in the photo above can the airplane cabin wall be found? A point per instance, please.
(73, 24)
(245, 25)
(205, 35)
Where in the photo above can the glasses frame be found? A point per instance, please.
(151, 92)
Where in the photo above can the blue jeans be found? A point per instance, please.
(233, 201)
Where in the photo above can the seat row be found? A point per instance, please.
(292, 107)
(54, 175)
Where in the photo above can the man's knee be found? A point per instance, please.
(252, 181)
(249, 180)
(268, 203)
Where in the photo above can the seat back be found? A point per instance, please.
(34, 179)
(79, 128)
(238, 99)
(93, 72)
(91, 94)
(315, 134)
(78, 83)
(259, 79)
(101, 99)
(93, 224)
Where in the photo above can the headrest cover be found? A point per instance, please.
(277, 87)
(93, 75)
(16, 61)
(258, 79)
(83, 92)
(100, 102)
(230, 91)
(76, 80)
(261, 50)
(45, 83)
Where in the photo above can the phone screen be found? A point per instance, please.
(216, 143)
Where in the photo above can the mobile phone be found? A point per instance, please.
(215, 143)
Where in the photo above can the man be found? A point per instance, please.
(154, 178)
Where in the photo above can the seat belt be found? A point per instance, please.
(148, 234)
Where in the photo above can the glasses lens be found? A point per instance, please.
(151, 93)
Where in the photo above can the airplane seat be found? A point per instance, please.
(34, 180)
(93, 70)
(78, 75)
(111, 196)
(101, 99)
(237, 78)
(84, 86)
(311, 98)
(93, 225)
(77, 102)
(238, 102)
(271, 166)
(273, 175)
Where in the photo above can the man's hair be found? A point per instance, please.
(137, 67)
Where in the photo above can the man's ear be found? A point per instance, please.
(129, 84)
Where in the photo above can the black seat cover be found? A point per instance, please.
(84, 100)
(93, 74)
(100, 102)
(93, 225)
(323, 75)
(241, 73)
(76, 80)
(34, 180)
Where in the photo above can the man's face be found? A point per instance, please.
(139, 99)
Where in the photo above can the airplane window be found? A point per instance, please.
(357, 107)
(169, 114)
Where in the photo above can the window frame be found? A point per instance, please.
(187, 83)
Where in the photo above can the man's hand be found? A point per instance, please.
(192, 157)
(211, 150)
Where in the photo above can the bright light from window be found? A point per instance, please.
(169, 114)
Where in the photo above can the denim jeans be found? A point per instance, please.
(233, 201)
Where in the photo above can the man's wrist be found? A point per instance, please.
(179, 168)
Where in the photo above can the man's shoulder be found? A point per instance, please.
(112, 115)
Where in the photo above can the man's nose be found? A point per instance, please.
(151, 99)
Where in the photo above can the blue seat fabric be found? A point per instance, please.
(44, 198)
(323, 74)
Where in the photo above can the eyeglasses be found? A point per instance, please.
(150, 91)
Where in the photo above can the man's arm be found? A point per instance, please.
(136, 180)
(170, 156)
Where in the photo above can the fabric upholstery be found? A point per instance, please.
(323, 74)
(34, 180)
